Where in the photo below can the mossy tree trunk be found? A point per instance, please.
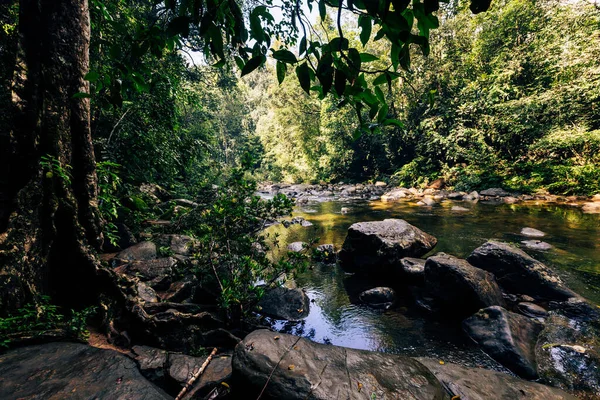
(49, 220)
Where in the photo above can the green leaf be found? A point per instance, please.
(380, 80)
(303, 74)
(393, 122)
(325, 72)
(91, 76)
(365, 24)
(239, 62)
(322, 10)
(302, 48)
(379, 94)
(252, 64)
(281, 70)
(285, 56)
(355, 59)
(366, 57)
(339, 43)
(383, 112)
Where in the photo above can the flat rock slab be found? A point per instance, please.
(138, 252)
(532, 232)
(481, 384)
(293, 368)
(74, 371)
(378, 246)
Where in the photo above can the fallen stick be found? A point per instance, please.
(189, 383)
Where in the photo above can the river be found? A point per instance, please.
(336, 316)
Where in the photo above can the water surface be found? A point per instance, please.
(336, 316)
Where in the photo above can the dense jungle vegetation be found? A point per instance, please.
(173, 95)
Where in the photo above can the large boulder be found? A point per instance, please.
(72, 371)
(568, 354)
(379, 297)
(459, 287)
(507, 337)
(518, 273)
(479, 384)
(378, 246)
(284, 303)
(293, 368)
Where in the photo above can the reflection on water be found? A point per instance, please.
(337, 318)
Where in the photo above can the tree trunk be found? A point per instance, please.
(49, 220)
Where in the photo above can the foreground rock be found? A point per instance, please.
(378, 246)
(568, 348)
(518, 273)
(72, 370)
(411, 270)
(481, 384)
(293, 368)
(379, 297)
(459, 287)
(507, 337)
(284, 303)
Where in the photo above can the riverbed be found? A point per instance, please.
(337, 317)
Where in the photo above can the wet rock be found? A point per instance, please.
(380, 184)
(480, 384)
(344, 210)
(378, 246)
(532, 310)
(379, 297)
(532, 232)
(459, 209)
(494, 192)
(284, 303)
(519, 273)
(152, 363)
(72, 370)
(395, 195)
(576, 308)
(293, 368)
(412, 269)
(536, 245)
(296, 247)
(326, 253)
(459, 287)
(427, 201)
(219, 370)
(510, 200)
(141, 251)
(471, 196)
(456, 195)
(507, 337)
(568, 355)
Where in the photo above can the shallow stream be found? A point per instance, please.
(336, 316)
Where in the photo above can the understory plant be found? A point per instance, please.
(232, 251)
(37, 318)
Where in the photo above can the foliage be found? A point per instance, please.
(37, 318)
(109, 182)
(53, 167)
(232, 245)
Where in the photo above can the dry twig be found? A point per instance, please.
(189, 384)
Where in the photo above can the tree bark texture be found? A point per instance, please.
(49, 220)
